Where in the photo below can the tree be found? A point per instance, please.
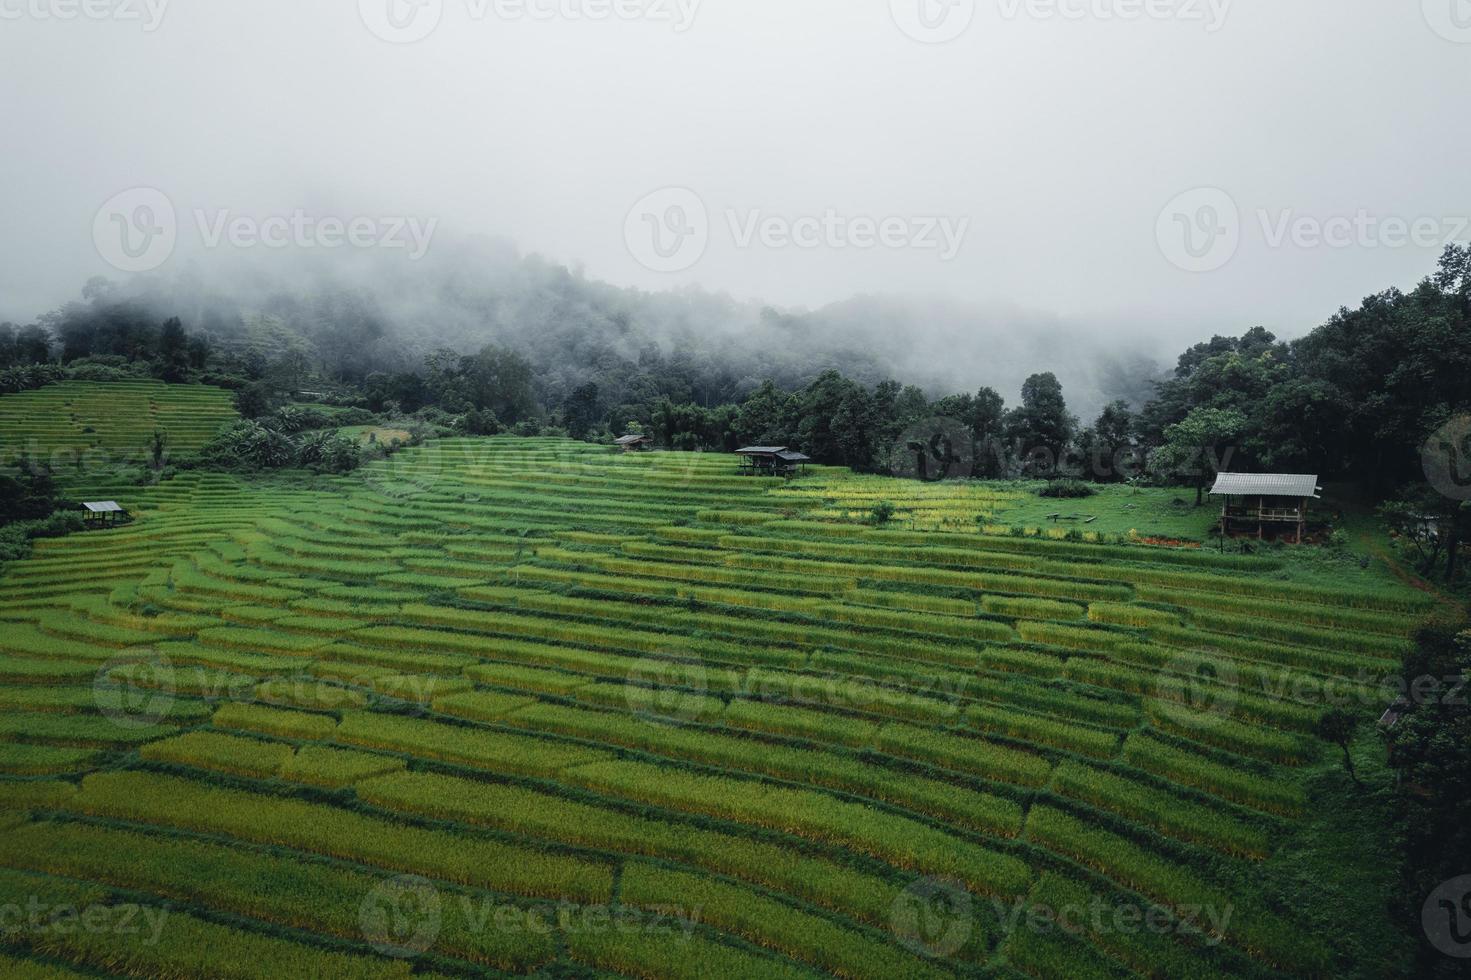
(836, 421)
(766, 417)
(1429, 526)
(1041, 428)
(32, 345)
(582, 410)
(1107, 446)
(499, 379)
(173, 351)
(254, 401)
(1338, 727)
(1198, 448)
(199, 351)
(29, 494)
(1430, 752)
(988, 425)
(481, 422)
(159, 446)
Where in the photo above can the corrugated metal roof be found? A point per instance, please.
(761, 450)
(1266, 485)
(630, 440)
(103, 507)
(791, 457)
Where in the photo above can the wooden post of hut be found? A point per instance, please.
(1266, 502)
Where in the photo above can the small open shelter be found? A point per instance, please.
(103, 513)
(633, 443)
(772, 461)
(1274, 504)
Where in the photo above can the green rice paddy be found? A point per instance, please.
(639, 715)
(119, 418)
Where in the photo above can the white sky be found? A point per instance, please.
(1060, 139)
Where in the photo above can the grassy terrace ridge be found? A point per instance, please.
(71, 417)
(551, 679)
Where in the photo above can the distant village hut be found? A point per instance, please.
(634, 443)
(772, 461)
(103, 513)
(1266, 504)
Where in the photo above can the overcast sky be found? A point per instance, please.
(1032, 153)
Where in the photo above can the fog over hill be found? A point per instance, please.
(363, 312)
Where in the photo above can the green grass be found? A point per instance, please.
(119, 417)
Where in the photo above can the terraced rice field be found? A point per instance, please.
(525, 706)
(119, 417)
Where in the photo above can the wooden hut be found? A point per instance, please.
(772, 461)
(634, 443)
(103, 513)
(1274, 504)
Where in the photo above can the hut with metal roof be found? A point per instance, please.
(102, 513)
(772, 461)
(1274, 504)
(633, 443)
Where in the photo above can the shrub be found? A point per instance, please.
(329, 452)
(248, 445)
(1067, 489)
